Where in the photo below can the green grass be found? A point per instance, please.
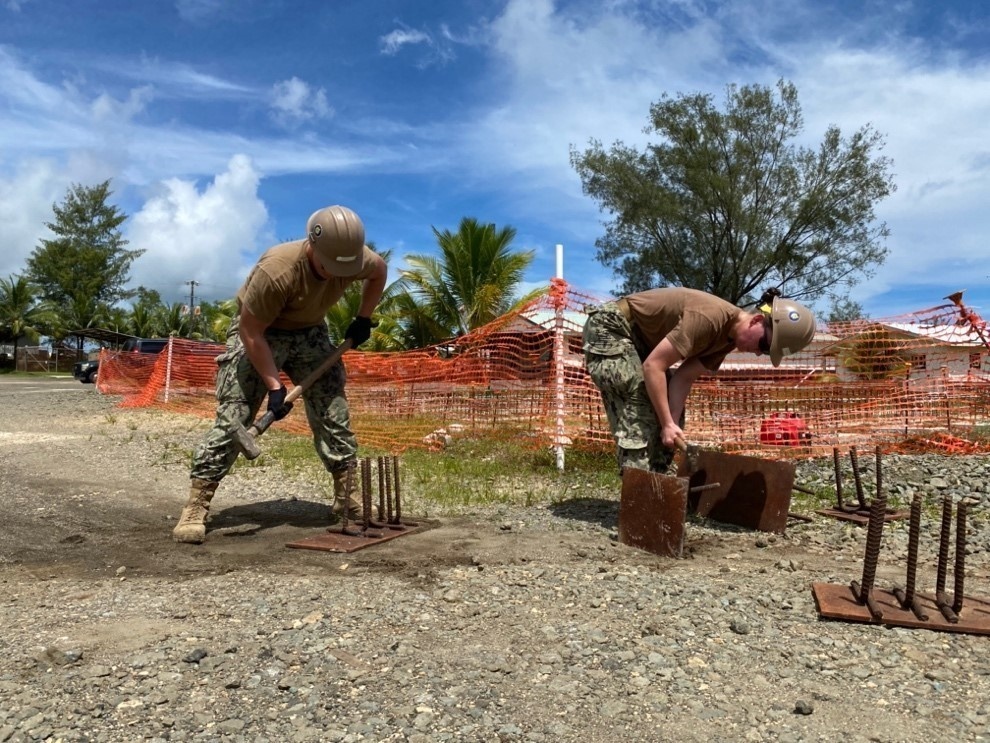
(468, 472)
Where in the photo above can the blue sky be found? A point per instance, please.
(224, 124)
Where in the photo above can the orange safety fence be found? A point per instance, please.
(914, 382)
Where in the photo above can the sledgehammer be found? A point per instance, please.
(691, 454)
(246, 439)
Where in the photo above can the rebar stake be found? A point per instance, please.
(907, 596)
(387, 475)
(960, 566)
(874, 535)
(382, 513)
(388, 518)
(941, 600)
(857, 478)
(398, 498)
(838, 478)
(348, 491)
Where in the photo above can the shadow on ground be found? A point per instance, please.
(250, 518)
(592, 510)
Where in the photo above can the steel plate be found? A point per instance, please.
(652, 512)
(333, 540)
(751, 492)
(836, 601)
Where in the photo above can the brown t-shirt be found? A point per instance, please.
(697, 324)
(285, 293)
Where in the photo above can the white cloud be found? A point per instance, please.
(394, 41)
(194, 11)
(106, 109)
(556, 75)
(575, 72)
(295, 101)
(210, 236)
(26, 200)
(434, 49)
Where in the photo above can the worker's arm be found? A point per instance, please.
(655, 369)
(679, 386)
(669, 399)
(374, 287)
(252, 332)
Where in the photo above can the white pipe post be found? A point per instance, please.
(559, 348)
(168, 367)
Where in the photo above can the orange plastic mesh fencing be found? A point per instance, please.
(911, 382)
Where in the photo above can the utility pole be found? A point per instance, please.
(192, 303)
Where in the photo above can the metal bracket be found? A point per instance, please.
(652, 511)
(752, 492)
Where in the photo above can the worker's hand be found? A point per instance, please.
(359, 330)
(670, 434)
(276, 403)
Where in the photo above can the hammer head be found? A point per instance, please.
(691, 453)
(245, 440)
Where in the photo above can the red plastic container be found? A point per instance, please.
(784, 429)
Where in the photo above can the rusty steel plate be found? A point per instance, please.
(332, 540)
(836, 601)
(652, 512)
(751, 492)
(859, 517)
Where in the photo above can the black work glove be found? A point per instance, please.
(359, 330)
(276, 403)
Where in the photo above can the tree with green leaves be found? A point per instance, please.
(471, 282)
(78, 313)
(21, 314)
(846, 310)
(145, 320)
(86, 263)
(726, 201)
(174, 319)
(214, 319)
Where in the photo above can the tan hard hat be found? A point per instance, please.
(793, 328)
(337, 236)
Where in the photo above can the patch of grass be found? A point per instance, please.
(472, 472)
(468, 472)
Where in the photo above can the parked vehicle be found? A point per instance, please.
(87, 371)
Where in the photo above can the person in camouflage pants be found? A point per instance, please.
(615, 368)
(644, 351)
(240, 391)
(281, 328)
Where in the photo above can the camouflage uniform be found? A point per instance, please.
(615, 368)
(240, 392)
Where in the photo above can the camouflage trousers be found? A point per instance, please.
(614, 366)
(240, 392)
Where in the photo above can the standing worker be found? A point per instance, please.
(281, 325)
(631, 344)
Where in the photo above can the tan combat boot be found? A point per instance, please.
(355, 510)
(192, 523)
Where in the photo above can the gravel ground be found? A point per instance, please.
(498, 624)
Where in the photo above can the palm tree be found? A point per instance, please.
(174, 320)
(78, 314)
(21, 314)
(145, 320)
(219, 317)
(471, 282)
